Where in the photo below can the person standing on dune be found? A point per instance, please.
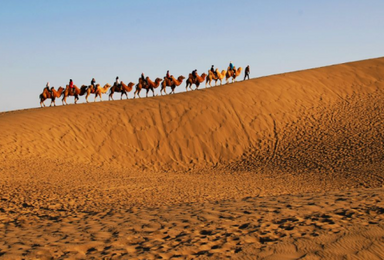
(246, 72)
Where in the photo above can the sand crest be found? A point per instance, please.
(281, 167)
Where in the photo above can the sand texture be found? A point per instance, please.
(288, 166)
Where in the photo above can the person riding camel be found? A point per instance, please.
(213, 71)
(144, 79)
(194, 74)
(93, 82)
(231, 67)
(48, 89)
(168, 76)
(71, 87)
(117, 83)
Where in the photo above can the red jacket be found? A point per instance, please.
(71, 84)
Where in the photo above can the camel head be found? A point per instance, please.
(158, 80)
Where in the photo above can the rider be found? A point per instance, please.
(71, 87)
(232, 67)
(48, 89)
(213, 71)
(93, 81)
(168, 76)
(194, 73)
(143, 78)
(117, 82)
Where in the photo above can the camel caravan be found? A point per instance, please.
(146, 83)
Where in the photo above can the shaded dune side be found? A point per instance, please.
(272, 120)
(344, 138)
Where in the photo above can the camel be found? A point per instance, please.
(230, 74)
(99, 90)
(196, 81)
(124, 89)
(150, 86)
(75, 93)
(211, 76)
(173, 83)
(46, 94)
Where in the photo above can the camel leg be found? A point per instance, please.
(146, 95)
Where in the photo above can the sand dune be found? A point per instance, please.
(286, 165)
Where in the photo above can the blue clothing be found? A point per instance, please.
(231, 66)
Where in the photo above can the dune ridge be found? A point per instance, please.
(287, 166)
(185, 130)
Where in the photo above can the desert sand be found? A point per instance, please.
(288, 166)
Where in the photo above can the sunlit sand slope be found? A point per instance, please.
(279, 116)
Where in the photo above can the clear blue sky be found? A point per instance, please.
(54, 41)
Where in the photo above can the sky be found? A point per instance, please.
(53, 41)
